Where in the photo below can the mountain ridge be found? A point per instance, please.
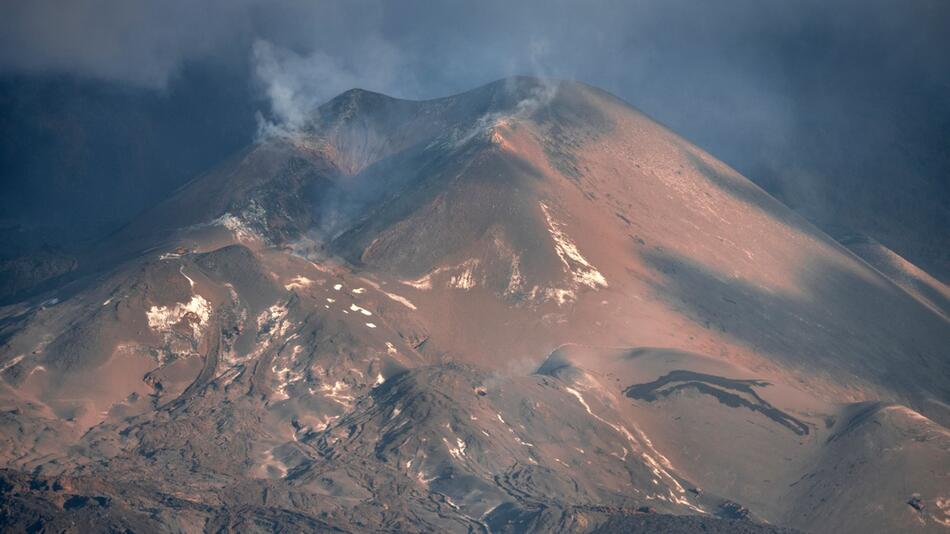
(526, 308)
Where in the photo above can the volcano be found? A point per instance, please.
(524, 308)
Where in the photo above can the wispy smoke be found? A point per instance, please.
(531, 99)
(295, 84)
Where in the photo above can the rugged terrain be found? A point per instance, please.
(527, 307)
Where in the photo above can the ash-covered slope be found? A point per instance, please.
(523, 308)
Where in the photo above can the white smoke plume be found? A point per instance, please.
(295, 84)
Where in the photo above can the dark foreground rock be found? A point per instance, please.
(671, 524)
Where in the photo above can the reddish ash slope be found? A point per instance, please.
(525, 307)
(595, 218)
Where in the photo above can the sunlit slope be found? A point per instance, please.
(524, 307)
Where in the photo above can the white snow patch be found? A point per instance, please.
(423, 283)
(337, 392)
(275, 315)
(457, 452)
(337, 287)
(237, 226)
(581, 270)
(285, 377)
(402, 300)
(466, 278)
(298, 282)
(561, 296)
(13, 361)
(325, 422)
(191, 283)
(162, 318)
(364, 311)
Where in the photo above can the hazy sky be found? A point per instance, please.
(744, 55)
(789, 92)
(753, 65)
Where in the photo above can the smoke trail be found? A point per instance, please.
(295, 84)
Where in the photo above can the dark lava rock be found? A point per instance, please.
(732, 510)
(672, 524)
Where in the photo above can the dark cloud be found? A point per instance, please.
(711, 61)
(797, 95)
(137, 41)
